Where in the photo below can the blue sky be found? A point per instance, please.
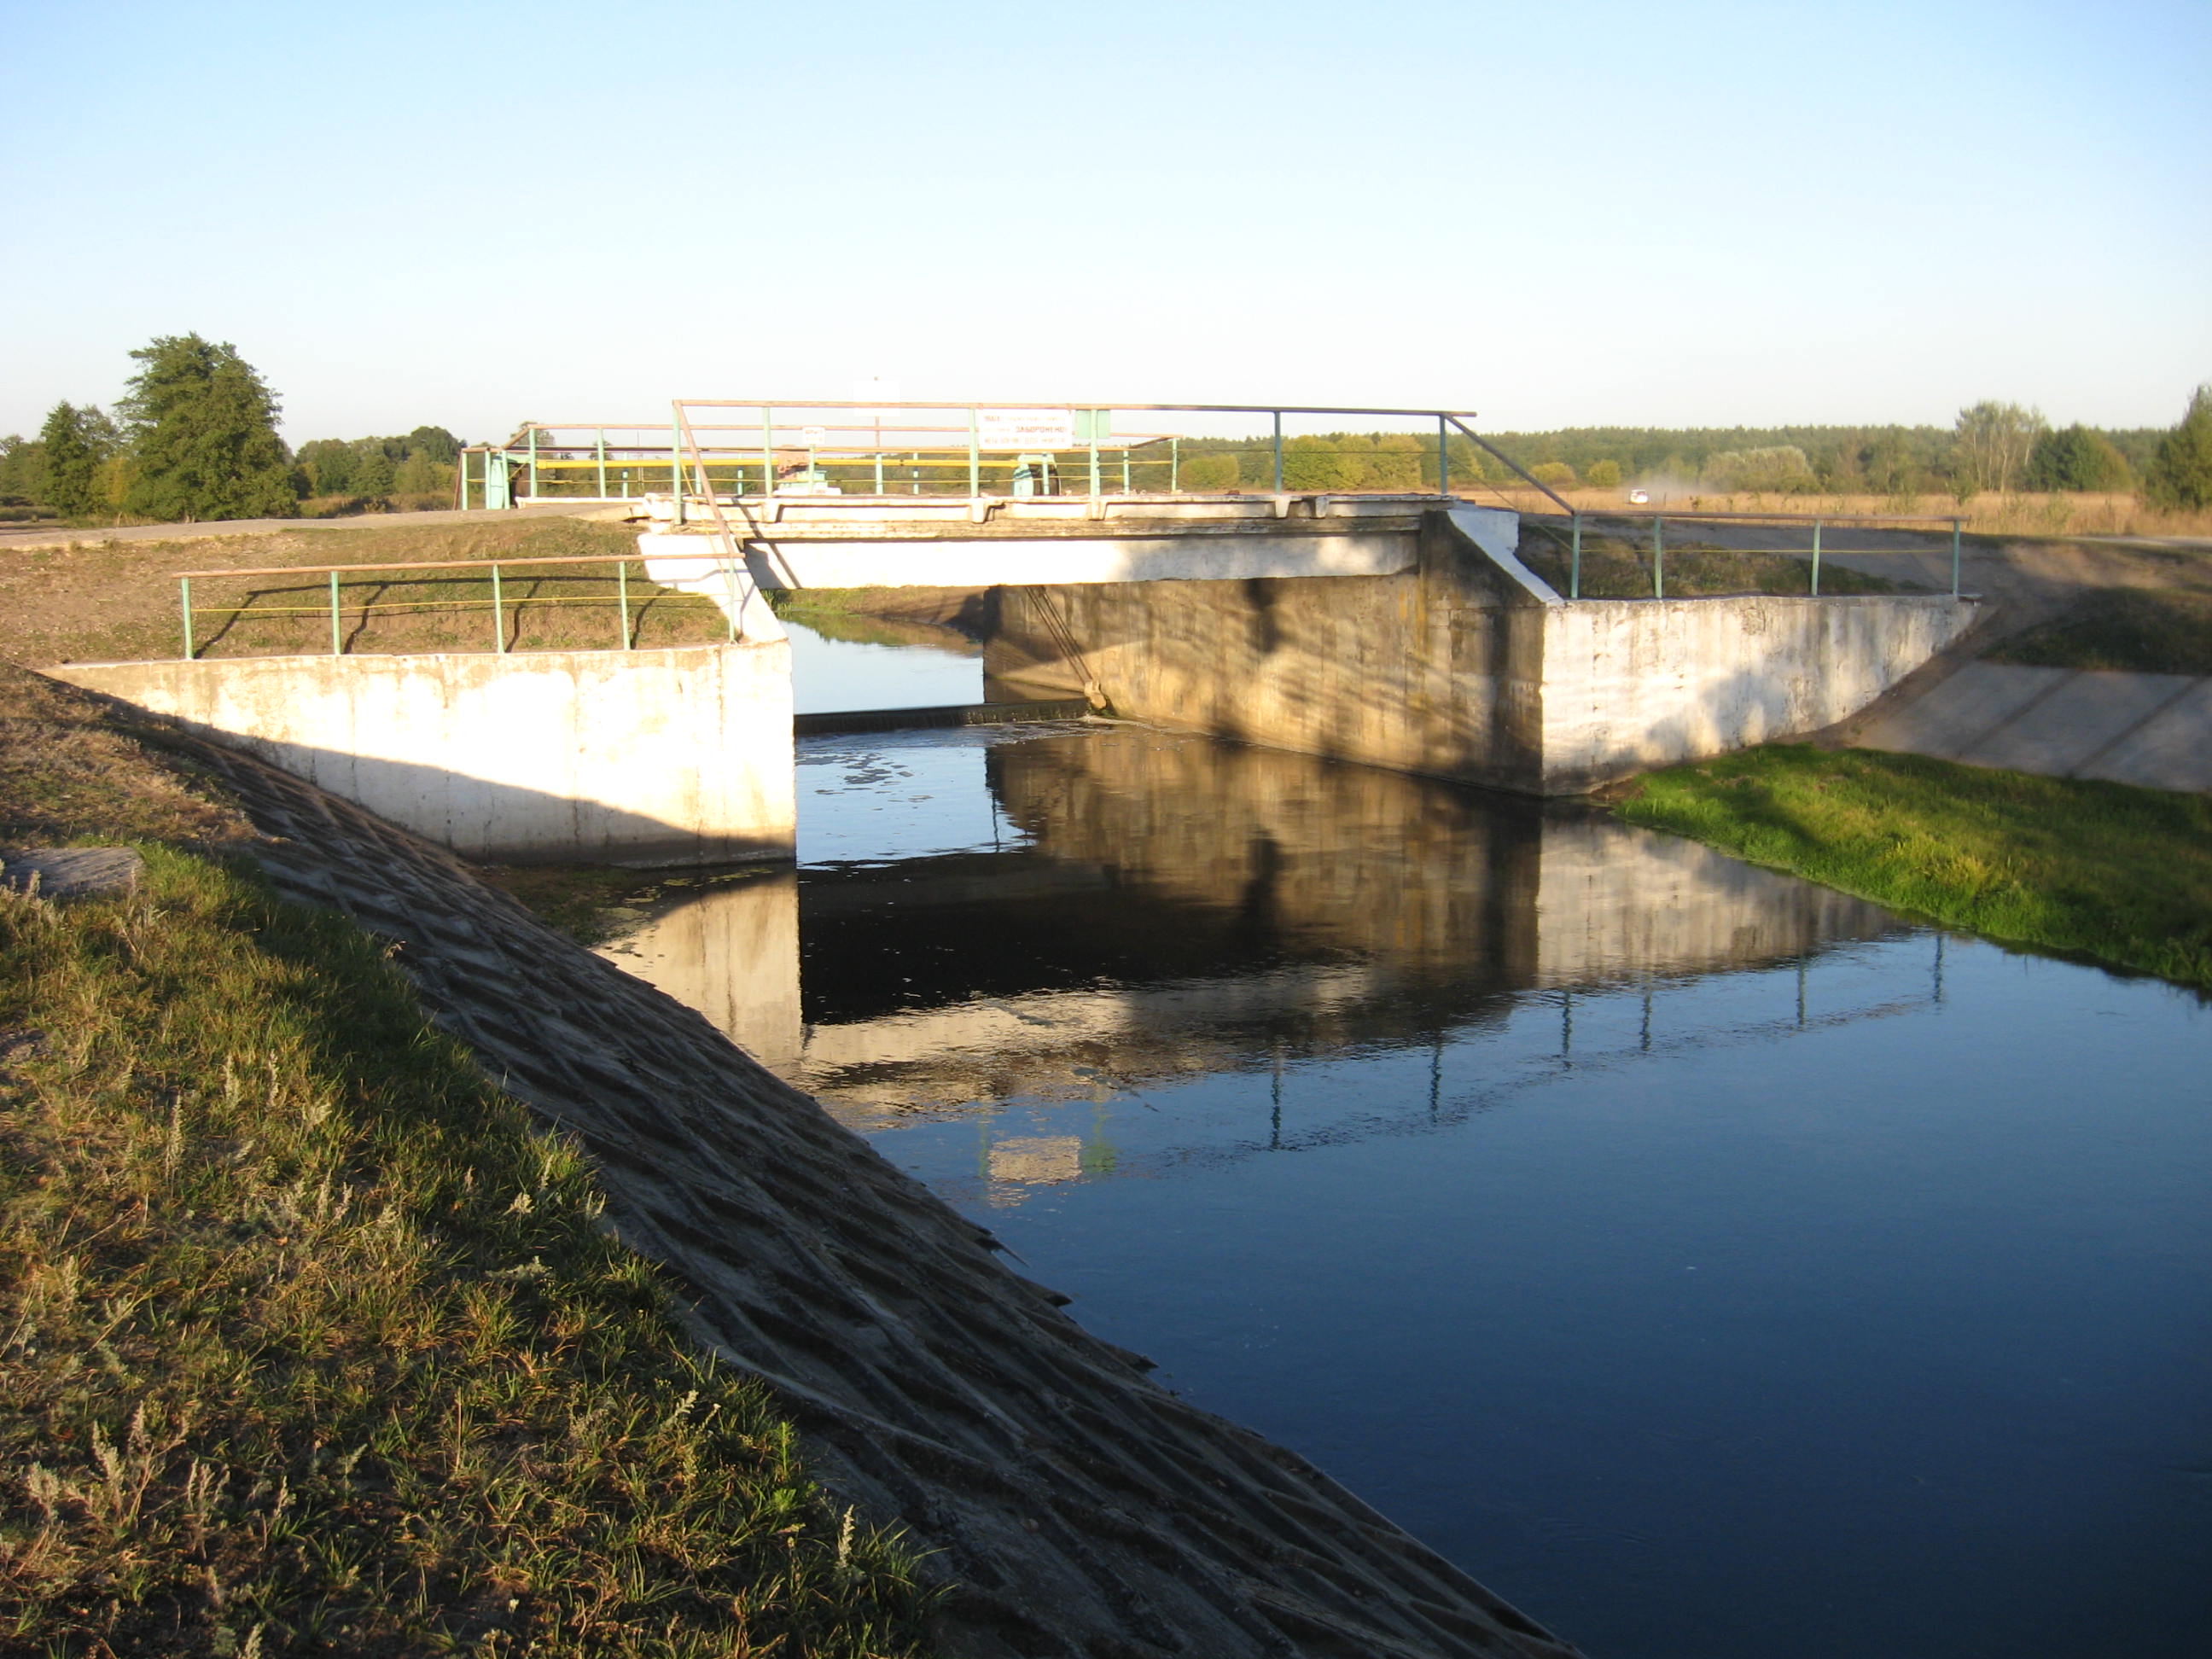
(1567, 214)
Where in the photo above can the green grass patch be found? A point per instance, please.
(2105, 871)
(313, 1341)
(2149, 630)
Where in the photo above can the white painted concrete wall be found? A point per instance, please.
(999, 561)
(676, 756)
(1629, 684)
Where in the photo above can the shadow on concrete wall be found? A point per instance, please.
(499, 821)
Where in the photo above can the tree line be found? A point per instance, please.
(194, 438)
(1991, 447)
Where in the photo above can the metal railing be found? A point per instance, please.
(1582, 524)
(502, 606)
(831, 446)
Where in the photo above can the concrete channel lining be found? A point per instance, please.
(2151, 730)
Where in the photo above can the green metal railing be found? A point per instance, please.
(1579, 523)
(502, 606)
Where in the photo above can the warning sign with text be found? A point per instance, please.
(1025, 428)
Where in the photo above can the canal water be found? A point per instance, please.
(1713, 1264)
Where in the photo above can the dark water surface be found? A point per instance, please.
(1712, 1264)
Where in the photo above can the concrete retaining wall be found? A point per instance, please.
(639, 757)
(1629, 684)
(1466, 667)
(1426, 672)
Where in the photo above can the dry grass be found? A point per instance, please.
(1989, 514)
(310, 1341)
(1615, 567)
(118, 601)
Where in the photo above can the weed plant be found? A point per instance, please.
(2118, 874)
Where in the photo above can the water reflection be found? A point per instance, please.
(1151, 908)
(1708, 1261)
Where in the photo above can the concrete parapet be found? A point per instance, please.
(1630, 684)
(673, 756)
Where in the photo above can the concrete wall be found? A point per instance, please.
(1430, 670)
(1466, 667)
(1629, 684)
(626, 758)
(978, 558)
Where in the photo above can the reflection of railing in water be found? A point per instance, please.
(1098, 1155)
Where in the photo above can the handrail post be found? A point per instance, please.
(1956, 525)
(603, 462)
(622, 597)
(533, 464)
(185, 595)
(768, 452)
(1575, 564)
(498, 615)
(1443, 460)
(1174, 465)
(1658, 557)
(1278, 452)
(975, 456)
(676, 466)
(338, 640)
(1816, 558)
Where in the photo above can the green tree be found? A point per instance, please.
(1214, 472)
(2077, 458)
(76, 441)
(203, 430)
(1396, 463)
(434, 443)
(1604, 475)
(373, 474)
(1990, 446)
(2181, 473)
(1319, 464)
(1557, 474)
(22, 470)
(329, 464)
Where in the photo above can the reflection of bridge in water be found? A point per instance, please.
(1180, 909)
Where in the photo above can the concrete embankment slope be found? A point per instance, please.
(2152, 730)
(1079, 1509)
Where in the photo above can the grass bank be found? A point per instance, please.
(2118, 874)
(313, 1341)
(2149, 630)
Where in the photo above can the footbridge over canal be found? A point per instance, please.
(1395, 627)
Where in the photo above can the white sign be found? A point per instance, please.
(1025, 428)
(815, 437)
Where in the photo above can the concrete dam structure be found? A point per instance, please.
(1401, 632)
